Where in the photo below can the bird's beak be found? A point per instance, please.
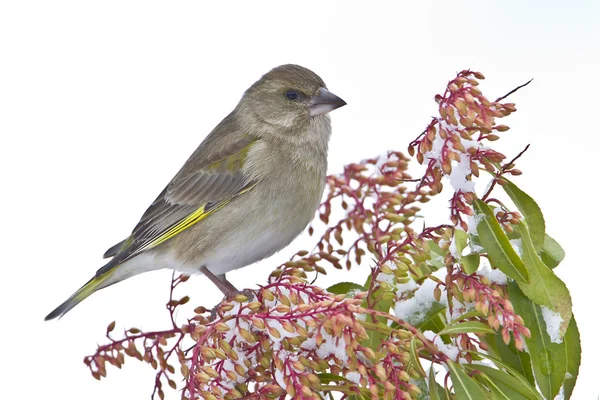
(323, 102)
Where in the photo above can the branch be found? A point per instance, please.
(502, 171)
(514, 90)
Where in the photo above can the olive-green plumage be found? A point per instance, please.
(246, 192)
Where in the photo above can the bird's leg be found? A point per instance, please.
(223, 284)
(225, 287)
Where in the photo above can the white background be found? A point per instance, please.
(101, 102)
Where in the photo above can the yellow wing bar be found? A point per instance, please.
(190, 220)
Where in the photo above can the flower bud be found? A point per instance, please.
(431, 133)
(437, 293)
(519, 343)
(274, 332)
(207, 353)
(446, 167)
(475, 91)
(202, 377)
(506, 336)
(210, 371)
(404, 376)
(221, 327)
(268, 295)
(414, 390)
(241, 298)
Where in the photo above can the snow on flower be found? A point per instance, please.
(384, 159)
(494, 275)
(353, 377)
(458, 176)
(448, 349)
(414, 309)
(387, 278)
(472, 222)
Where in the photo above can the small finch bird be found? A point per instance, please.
(247, 191)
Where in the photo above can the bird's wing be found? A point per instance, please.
(209, 180)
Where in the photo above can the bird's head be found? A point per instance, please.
(288, 96)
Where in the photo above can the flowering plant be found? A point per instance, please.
(463, 310)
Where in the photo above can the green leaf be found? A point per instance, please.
(531, 211)
(345, 287)
(499, 390)
(510, 370)
(474, 241)
(414, 356)
(326, 377)
(494, 240)
(520, 361)
(460, 240)
(437, 255)
(435, 325)
(573, 348)
(433, 320)
(433, 386)
(466, 327)
(382, 301)
(505, 383)
(470, 263)
(421, 383)
(377, 327)
(464, 386)
(552, 254)
(468, 314)
(545, 288)
(548, 359)
(358, 397)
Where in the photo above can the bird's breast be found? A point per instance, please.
(289, 183)
(265, 219)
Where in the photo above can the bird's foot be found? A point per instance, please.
(249, 294)
(227, 288)
(232, 296)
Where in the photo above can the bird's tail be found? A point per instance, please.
(96, 283)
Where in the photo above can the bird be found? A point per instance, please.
(251, 187)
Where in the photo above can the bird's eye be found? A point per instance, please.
(291, 95)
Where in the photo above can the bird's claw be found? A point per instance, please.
(248, 293)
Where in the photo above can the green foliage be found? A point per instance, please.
(512, 373)
(549, 359)
(466, 327)
(531, 211)
(465, 386)
(503, 384)
(494, 240)
(545, 289)
(345, 288)
(573, 349)
(551, 254)
(507, 356)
